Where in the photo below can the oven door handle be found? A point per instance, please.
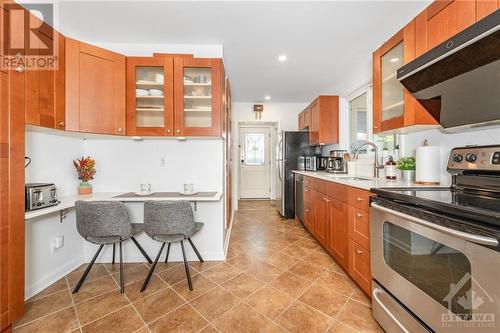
(375, 293)
(455, 233)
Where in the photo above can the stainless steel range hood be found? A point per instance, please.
(458, 81)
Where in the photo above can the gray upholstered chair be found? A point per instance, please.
(105, 223)
(170, 222)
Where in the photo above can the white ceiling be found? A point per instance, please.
(328, 44)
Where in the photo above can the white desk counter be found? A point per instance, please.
(69, 201)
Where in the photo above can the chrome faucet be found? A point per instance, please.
(376, 166)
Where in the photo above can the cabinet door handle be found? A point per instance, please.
(359, 199)
(168, 131)
(61, 123)
(360, 215)
(307, 190)
(178, 131)
(376, 127)
(19, 69)
(326, 199)
(359, 251)
(120, 129)
(307, 210)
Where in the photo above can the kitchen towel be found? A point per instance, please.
(428, 162)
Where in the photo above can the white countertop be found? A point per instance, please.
(69, 201)
(366, 183)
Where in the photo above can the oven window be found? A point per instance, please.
(440, 271)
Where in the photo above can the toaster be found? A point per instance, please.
(40, 195)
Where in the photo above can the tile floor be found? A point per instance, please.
(276, 279)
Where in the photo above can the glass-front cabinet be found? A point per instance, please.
(394, 108)
(197, 96)
(150, 96)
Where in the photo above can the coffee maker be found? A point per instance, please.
(337, 162)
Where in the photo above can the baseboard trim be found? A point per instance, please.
(49, 279)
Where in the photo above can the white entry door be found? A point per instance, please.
(255, 163)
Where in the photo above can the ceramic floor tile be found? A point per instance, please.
(338, 327)
(175, 274)
(214, 303)
(221, 273)
(306, 271)
(290, 283)
(317, 258)
(325, 300)
(269, 301)
(133, 290)
(46, 305)
(242, 285)
(359, 296)
(339, 283)
(97, 271)
(153, 307)
(263, 271)
(58, 322)
(95, 288)
(100, 306)
(242, 318)
(132, 274)
(359, 317)
(184, 319)
(203, 266)
(123, 320)
(296, 251)
(57, 286)
(281, 260)
(201, 285)
(301, 318)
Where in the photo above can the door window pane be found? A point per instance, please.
(254, 148)
(431, 266)
(358, 118)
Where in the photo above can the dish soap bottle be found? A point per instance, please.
(390, 169)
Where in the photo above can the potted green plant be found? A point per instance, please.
(85, 168)
(407, 165)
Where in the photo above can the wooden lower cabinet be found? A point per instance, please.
(359, 266)
(321, 217)
(338, 217)
(337, 232)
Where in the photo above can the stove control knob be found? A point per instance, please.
(458, 158)
(471, 158)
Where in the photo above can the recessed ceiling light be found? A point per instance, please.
(282, 58)
(394, 60)
(267, 98)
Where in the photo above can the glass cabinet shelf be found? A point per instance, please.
(197, 97)
(392, 90)
(149, 99)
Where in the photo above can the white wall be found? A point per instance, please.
(122, 164)
(447, 141)
(285, 115)
(52, 157)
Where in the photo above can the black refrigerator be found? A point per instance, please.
(290, 148)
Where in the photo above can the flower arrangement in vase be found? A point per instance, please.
(85, 168)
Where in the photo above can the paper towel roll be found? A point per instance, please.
(428, 162)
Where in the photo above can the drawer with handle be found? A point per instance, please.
(359, 198)
(359, 226)
(359, 266)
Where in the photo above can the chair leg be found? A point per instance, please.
(195, 250)
(84, 276)
(113, 261)
(168, 252)
(186, 267)
(152, 268)
(122, 277)
(142, 250)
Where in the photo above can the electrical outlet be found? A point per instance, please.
(163, 162)
(57, 243)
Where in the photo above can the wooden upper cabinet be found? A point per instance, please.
(150, 95)
(394, 108)
(44, 87)
(198, 96)
(486, 7)
(95, 89)
(322, 120)
(443, 19)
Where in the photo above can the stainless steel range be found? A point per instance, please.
(435, 253)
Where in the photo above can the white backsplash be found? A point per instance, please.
(447, 141)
